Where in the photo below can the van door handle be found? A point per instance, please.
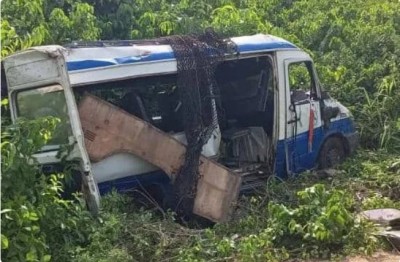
(297, 119)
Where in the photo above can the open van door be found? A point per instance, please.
(38, 86)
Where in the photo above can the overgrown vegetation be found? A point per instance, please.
(356, 47)
(37, 224)
(307, 216)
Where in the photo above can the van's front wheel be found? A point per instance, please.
(332, 153)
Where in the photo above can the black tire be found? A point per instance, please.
(332, 153)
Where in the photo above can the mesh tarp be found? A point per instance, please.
(197, 57)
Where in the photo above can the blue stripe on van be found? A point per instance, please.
(87, 64)
(129, 182)
(265, 46)
(150, 57)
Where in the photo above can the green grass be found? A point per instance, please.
(308, 216)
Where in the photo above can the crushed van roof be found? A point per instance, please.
(81, 58)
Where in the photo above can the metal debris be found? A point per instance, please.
(389, 219)
(384, 216)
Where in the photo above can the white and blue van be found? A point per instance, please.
(273, 116)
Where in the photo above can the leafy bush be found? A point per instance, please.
(37, 224)
(322, 224)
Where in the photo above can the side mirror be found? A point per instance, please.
(329, 112)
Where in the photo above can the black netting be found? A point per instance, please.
(197, 57)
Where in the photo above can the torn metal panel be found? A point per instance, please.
(389, 218)
(109, 130)
(36, 66)
(393, 237)
(383, 216)
(51, 50)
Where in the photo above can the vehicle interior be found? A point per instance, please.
(247, 112)
(245, 107)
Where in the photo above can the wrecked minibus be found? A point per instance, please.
(122, 113)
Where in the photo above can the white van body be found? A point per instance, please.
(75, 67)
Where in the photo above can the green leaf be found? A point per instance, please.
(4, 102)
(31, 255)
(4, 242)
(46, 258)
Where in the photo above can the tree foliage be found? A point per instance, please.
(356, 45)
(36, 22)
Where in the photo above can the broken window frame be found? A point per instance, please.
(63, 132)
(272, 84)
(145, 87)
(297, 95)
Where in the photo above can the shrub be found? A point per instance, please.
(323, 223)
(37, 224)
